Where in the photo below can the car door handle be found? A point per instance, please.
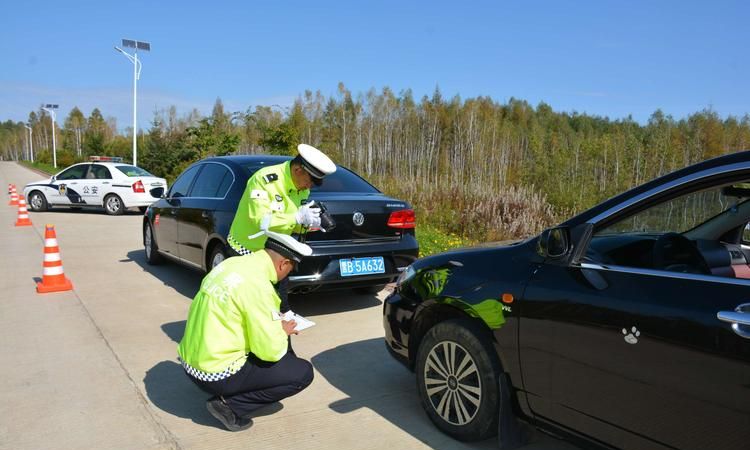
(105, 182)
(739, 318)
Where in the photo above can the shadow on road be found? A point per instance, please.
(169, 389)
(322, 303)
(373, 379)
(182, 279)
(174, 330)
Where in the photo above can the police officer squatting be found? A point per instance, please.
(236, 347)
(281, 190)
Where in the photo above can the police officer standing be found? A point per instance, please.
(282, 191)
(235, 345)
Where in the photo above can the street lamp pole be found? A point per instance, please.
(30, 144)
(137, 65)
(51, 110)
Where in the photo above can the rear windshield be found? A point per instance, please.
(343, 180)
(133, 171)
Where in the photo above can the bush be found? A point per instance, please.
(475, 214)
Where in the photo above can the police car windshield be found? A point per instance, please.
(343, 180)
(133, 171)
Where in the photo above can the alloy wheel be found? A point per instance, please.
(36, 201)
(453, 383)
(113, 204)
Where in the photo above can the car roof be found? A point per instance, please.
(243, 160)
(714, 163)
(101, 163)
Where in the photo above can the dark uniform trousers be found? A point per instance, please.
(259, 383)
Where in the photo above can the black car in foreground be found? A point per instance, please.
(373, 240)
(627, 326)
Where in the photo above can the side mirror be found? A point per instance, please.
(554, 242)
(53, 178)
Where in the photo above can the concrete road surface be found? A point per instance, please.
(96, 367)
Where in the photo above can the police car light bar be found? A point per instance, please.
(114, 159)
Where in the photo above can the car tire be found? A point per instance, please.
(464, 405)
(153, 256)
(37, 201)
(218, 255)
(113, 205)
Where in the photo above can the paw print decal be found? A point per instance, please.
(632, 337)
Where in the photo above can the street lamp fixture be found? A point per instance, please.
(51, 110)
(135, 45)
(30, 143)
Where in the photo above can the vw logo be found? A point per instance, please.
(358, 218)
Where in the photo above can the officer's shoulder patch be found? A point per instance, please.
(271, 177)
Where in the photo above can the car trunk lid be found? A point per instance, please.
(359, 218)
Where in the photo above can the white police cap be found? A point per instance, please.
(315, 162)
(287, 246)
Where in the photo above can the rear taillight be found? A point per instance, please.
(138, 187)
(402, 219)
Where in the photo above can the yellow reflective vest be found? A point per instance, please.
(270, 190)
(232, 315)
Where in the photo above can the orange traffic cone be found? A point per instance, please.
(13, 197)
(23, 214)
(53, 279)
(10, 188)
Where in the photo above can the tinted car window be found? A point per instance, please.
(213, 181)
(677, 215)
(133, 171)
(73, 173)
(182, 184)
(98, 172)
(343, 180)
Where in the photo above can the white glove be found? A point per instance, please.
(309, 216)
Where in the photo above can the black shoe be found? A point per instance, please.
(226, 416)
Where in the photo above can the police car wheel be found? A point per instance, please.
(458, 380)
(113, 205)
(37, 201)
(153, 256)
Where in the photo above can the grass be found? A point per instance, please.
(434, 240)
(47, 168)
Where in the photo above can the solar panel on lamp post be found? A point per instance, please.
(137, 65)
(30, 143)
(51, 110)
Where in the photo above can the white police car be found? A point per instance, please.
(104, 182)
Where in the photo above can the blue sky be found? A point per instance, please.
(600, 57)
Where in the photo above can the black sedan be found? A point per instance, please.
(373, 240)
(627, 326)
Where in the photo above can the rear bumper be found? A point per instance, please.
(136, 200)
(322, 267)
